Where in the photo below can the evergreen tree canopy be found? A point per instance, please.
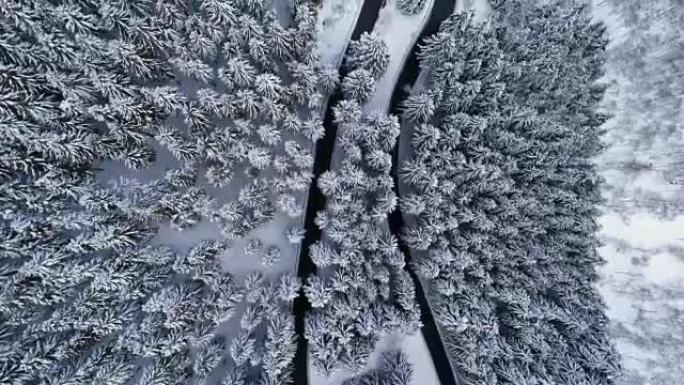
(503, 196)
(370, 52)
(361, 290)
(410, 7)
(85, 297)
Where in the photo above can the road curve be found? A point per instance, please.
(316, 201)
(440, 11)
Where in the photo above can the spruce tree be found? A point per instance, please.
(410, 7)
(370, 52)
(358, 85)
(393, 369)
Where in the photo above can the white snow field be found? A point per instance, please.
(480, 8)
(642, 226)
(643, 286)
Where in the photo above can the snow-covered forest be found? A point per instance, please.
(341, 192)
(502, 195)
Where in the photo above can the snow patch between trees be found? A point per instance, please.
(413, 346)
(400, 33)
(336, 20)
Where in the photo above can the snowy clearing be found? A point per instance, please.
(400, 33)
(642, 227)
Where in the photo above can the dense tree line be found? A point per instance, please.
(249, 103)
(264, 349)
(503, 196)
(84, 297)
(361, 290)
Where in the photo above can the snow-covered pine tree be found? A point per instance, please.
(265, 347)
(410, 7)
(396, 368)
(288, 288)
(370, 52)
(318, 291)
(420, 107)
(393, 369)
(358, 85)
(329, 80)
(361, 292)
(271, 256)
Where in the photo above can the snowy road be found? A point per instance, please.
(323, 156)
(316, 200)
(440, 11)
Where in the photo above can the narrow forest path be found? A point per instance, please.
(316, 200)
(441, 10)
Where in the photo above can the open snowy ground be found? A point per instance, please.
(643, 285)
(642, 225)
(481, 8)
